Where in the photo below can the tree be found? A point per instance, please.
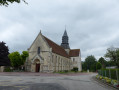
(84, 65)
(24, 55)
(90, 62)
(15, 59)
(110, 63)
(4, 51)
(103, 62)
(98, 65)
(6, 2)
(113, 54)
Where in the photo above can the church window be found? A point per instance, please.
(56, 57)
(52, 58)
(38, 50)
(73, 59)
(59, 60)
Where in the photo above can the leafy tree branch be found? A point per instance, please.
(6, 2)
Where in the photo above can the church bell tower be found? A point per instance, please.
(65, 43)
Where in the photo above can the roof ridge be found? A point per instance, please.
(56, 48)
(74, 49)
(34, 40)
(53, 42)
(74, 52)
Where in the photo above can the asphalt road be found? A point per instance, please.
(51, 82)
(35, 86)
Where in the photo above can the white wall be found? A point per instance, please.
(77, 62)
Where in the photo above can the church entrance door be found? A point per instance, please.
(37, 67)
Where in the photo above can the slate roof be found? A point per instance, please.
(65, 33)
(56, 48)
(61, 51)
(74, 52)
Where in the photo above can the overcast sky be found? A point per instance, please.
(92, 25)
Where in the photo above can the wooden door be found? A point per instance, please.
(37, 67)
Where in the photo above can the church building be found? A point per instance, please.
(47, 56)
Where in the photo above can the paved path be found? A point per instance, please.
(49, 81)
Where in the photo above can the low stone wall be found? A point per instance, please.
(1, 68)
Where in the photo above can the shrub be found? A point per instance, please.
(108, 80)
(75, 69)
(97, 76)
(105, 78)
(100, 77)
(114, 82)
(98, 65)
(66, 71)
(7, 69)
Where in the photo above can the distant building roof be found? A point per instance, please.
(74, 52)
(111, 67)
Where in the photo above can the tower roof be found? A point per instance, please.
(65, 33)
(65, 43)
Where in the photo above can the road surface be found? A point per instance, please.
(47, 81)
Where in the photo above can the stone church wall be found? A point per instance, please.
(77, 62)
(61, 63)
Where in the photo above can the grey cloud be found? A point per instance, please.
(92, 25)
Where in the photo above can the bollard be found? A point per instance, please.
(109, 74)
(88, 70)
(117, 75)
(105, 73)
(101, 73)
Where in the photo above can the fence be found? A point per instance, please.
(110, 73)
